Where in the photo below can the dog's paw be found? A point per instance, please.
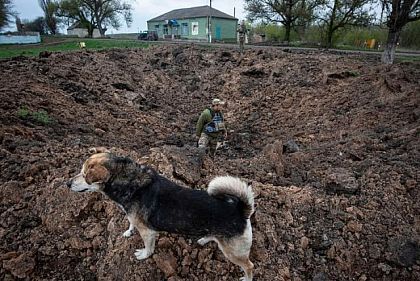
(142, 254)
(128, 233)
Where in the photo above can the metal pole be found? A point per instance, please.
(210, 24)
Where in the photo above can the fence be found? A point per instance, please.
(27, 38)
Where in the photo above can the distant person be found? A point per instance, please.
(242, 34)
(211, 126)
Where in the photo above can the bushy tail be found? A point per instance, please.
(235, 187)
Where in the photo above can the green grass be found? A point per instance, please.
(407, 59)
(67, 45)
(41, 116)
(354, 48)
(23, 112)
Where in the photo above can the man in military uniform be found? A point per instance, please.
(242, 33)
(211, 126)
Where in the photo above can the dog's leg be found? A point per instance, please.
(237, 251)
(237, 256)
(205, 240)
(149, 238)
(246, 265)
(148, 235)
(129, 231)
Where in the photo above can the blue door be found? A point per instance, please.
(218, 33)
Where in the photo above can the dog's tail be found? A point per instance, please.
(234, 187)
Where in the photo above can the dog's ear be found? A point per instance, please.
(97, 174)
(101, 149)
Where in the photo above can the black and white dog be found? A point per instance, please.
(153, 204)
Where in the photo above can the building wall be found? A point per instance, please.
(196, 28)
(224, 29)
(192, 28)
(83, 32)
(20, 39)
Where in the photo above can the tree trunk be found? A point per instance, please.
(90, 31)
(101, 30)
(391, 43)
(331, 28)
(99, 16)
(330, 33)
(287, 34)
(99, 23)
(52, 25)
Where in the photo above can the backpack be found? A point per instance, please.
(214, 126)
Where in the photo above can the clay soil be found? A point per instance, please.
(329, 142)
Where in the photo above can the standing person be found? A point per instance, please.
(242, 33)
(211, 126)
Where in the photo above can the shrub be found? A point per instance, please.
(357, 36)
(274, 32)
(40, 116)
(23, 112)
(410, 36)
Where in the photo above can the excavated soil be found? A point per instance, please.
(330, 143)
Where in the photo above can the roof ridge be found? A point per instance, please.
(190, 8)
(198, 11)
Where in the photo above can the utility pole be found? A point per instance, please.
(210, 24)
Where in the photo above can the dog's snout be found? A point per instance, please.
(69, 183)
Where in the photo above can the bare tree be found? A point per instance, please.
(50, 8)
(399, 13)
(19, 25)
(290, 13)
(37, 25)
(6, 13)
(336, 14)
(108, 12)
(77, 12)
(96, 13)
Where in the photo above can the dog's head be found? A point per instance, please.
(103, 168)
(95, 172)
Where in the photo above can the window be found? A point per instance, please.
(194, 28)
(184, 29)
(165, 29)
(157, 27)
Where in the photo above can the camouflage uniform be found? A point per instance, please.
(209, 129)
(242, 32)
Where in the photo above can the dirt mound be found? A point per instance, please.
(329, 142)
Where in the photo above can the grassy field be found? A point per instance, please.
(66, 45)
(402, 58)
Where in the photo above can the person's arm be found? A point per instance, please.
(201, 122)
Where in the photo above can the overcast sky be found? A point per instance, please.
(143, 10)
